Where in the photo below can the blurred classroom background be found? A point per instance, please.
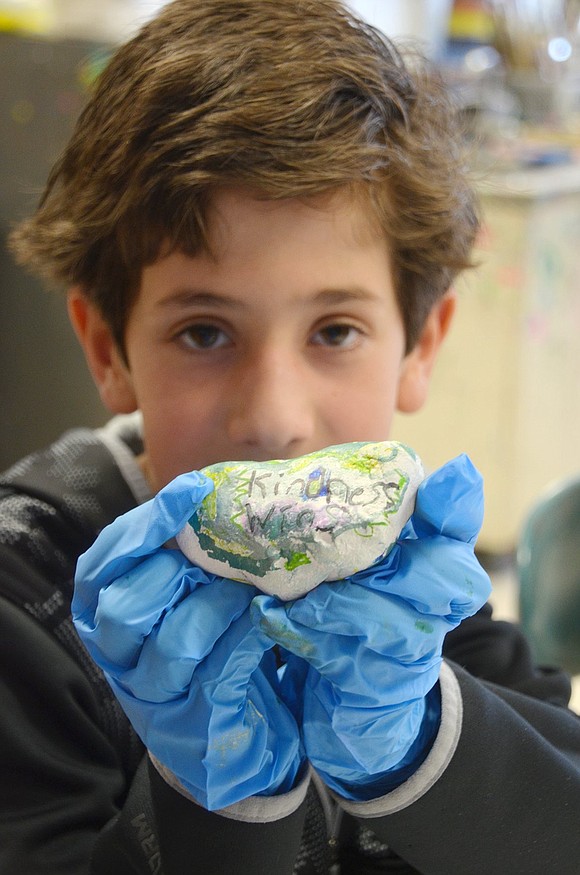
(507, 388)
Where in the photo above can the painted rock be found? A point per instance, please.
(286, 526)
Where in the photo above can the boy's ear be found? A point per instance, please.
(105, 361)
(418, 364)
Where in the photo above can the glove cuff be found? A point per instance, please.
(254, 809)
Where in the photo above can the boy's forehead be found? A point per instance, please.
(324, 250)
(319, 251)
(348, 212)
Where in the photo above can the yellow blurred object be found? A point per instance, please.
(26, 16)
(471, 20)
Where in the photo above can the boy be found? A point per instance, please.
(259, 218)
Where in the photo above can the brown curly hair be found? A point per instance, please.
(289, 99)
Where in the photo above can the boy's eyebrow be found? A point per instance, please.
(344, 295)
(201, 298)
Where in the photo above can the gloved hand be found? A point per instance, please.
(195, 677)
(367, 651)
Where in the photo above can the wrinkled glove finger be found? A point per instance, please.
(233, 660)
(114, 622)
(450, 502)
(142, 530)
(384, 623)
(355, 655)
(174, 505)
(185, 635)
(250, 731)
(228, 722)
(437, 576)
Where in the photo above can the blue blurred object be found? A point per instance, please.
(373, 644)
(195, 677)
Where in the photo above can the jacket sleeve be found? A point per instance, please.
(66, 803)
(500, 790)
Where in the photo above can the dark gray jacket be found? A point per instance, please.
(501, 793)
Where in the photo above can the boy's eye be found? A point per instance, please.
(337, 335)
(203, 337)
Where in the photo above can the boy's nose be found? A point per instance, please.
(271, 416)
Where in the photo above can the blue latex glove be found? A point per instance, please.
(195, 677)
(367, 651)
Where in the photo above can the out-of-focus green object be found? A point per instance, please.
(548, 562)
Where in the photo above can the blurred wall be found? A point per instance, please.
(45, 387)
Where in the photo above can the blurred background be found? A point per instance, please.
(507, 388)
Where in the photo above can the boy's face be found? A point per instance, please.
(286, 340)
